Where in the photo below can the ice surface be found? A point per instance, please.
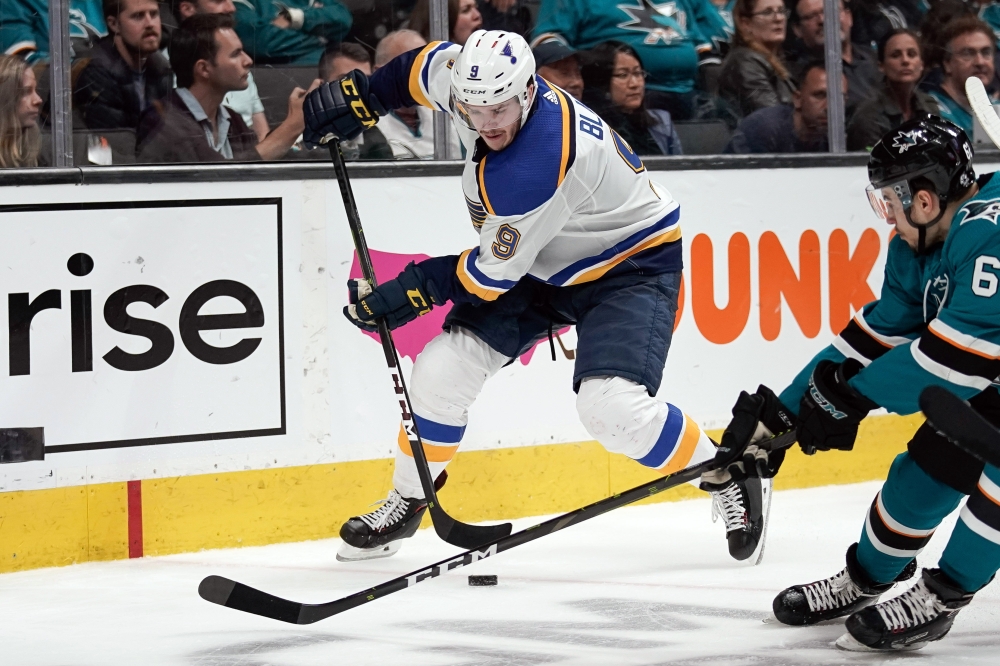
(645, 585)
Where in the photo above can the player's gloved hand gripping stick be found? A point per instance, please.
(235, 595)
(454, 532)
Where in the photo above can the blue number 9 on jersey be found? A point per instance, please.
(506, 242)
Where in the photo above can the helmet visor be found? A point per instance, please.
(890, 202)
(494, 116)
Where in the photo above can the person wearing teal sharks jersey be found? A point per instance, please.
(936, 322)
(24, 26)
(668, 36)
(292, 32)
(969, 51)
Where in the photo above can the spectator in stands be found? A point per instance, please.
(509, 15)
(19, 108)
(410, 132)
(244, 102)
(463, 20)
(125, 74)
(291, 32)
(192, 125)
(615, 90)
(340, 61)
(968, 51)
(669, 42)
(717, 26)
(24, 27)
(754, 75)
(898, 99)
(860, 66)
(796, 128)
(875, 19)
(558, 63)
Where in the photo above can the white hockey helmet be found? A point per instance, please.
(493, 80)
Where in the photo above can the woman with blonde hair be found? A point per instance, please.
(19, 108)
(754, 74)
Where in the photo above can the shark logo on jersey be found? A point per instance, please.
(982, 210)
(663, 22)
(905, 140)
(935, 295)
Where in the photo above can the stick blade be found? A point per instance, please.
(983, 109)
(238, 596)
(465, 535)
(956, 420)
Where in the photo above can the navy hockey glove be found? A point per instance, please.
(831, 410)
(400, 301)
(344, 108)
(755, 418)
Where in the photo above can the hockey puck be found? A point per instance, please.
(482, 581)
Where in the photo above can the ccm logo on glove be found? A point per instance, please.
(361, 111)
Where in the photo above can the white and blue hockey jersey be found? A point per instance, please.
(567, 202)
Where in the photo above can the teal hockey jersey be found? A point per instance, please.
(24, 26)
(937, 320)
(667, 35)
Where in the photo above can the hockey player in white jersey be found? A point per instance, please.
(572, 232)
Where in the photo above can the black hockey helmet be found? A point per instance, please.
(928, 148)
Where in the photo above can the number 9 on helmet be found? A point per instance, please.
(493, 81)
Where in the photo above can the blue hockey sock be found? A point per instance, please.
(973, 552)
(902, 519)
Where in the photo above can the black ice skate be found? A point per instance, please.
(922, 614)
(837, 596)
(744, 506)
(381, 532)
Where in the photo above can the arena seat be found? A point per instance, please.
(703, 137)
(275, 84)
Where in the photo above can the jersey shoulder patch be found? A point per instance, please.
(526, 174)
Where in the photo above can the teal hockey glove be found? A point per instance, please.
(400, 300)
(831, 410)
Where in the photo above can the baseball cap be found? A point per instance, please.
(551, 50)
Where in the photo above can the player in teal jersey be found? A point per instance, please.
(667, 35)
(937, 321)
(24, 26)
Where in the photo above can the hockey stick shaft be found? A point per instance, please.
(960, 423)
(454, 532)
(231, 594)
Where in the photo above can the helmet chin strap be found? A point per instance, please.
(922, 228)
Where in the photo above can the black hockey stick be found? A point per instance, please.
(235, 595)
(956, 420)
(454, 532)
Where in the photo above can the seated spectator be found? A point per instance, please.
(463, 20)
(19, 108)
(615, 90)
(340, 61)
(291, 32)
(754, 75)
(875, 19)
(968, 48)
(797, 128)
(898, 99)
(669, 44)
(192, 125)
(410, 132)
(244, 102)
(558, 63)
(509, 15)
(24, 27)
(860, 68)
(125, 74)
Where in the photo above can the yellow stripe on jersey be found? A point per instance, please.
(481, 175)
(433, 452)
(566, 129)
(685, 448)
(471, 285)
(668, 236)
(416, 90)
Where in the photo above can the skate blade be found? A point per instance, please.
(765, 501)
(851, 644)
(349, 553)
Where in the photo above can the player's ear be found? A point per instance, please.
(930, 204)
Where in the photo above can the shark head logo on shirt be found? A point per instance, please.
(661, 22)
(982, 210)
(905, 140)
